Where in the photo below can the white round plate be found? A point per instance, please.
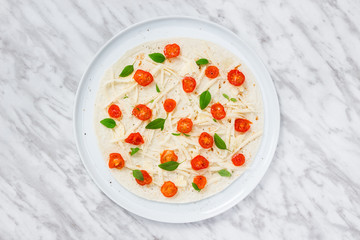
(160, 28)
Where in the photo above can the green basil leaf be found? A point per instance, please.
(169, 166)
(156, 124)
(138, 175)
(214, 120)
(187, 135)
(226, 96)
(202, 61)
(196, 187)
(157, 57)
(127, 71)
(219, 142)
(108, 122)
(152, 101)
(224, 173)
(176, 134)
(134, 150)
(157, 88)
(125, 97)
(233, 99)
(205, 99)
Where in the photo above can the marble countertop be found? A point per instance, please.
(312, 188)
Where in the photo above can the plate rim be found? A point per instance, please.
(270, 151)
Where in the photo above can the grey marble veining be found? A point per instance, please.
(312, 188)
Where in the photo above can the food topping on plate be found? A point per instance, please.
(114, 111)
(168, 189)
(116, 161)
(184, 125)
(135, 139)
(218, 111)
(188, 84)
(236, 77)
(167, 156)
(142, 112)
(147, 178)
(200, 181)
(242, 125)
(206, 140)
(143, 78)
(171, 50)
(199, 162)
(212, 72)
(169, 105)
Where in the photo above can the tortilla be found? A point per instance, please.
(127, 93)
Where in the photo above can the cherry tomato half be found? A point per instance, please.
(147, 178)
(143, 78)
(206, 140)
(236, 77)
(212, 72)
(199, 162)
(242, 125)
(116, 161)
(167, 156)
(218, 111)
(188, 84)
(238, 159)
(135, 139)
(142, 112)
(169, 105)
(184, 125)
(114, 111)
(171, 50)
(168, 189)
(200, 181)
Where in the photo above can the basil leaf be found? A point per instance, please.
(127, 71)
(233, 99)
(205, 98)
(108, 122)
(134, 150)
(219, 142)
(176, 134)
(214, 120)
(224, 173)
(138, 175)
(202, 61)
(157, 57)
(125, 97)
(157, 88)
(152, 101)
(156, 124)
(187, 135)
(196, 187)
(226, 96)
(169, 166)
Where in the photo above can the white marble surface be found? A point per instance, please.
(312, 188)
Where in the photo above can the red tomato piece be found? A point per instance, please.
(206, 140)
(116, 161)
(167, 156)
(238, 159)
(200, 181)
(188, 84)
(147, 178)
(142, 112)
(171, 50)
(184, 125)
(242, 125)
(143, 78)
(236, 77)
(168, 189)
(199, 162)
(114, 111)
(169, 105)
(218, 111)
(212, 72)
(135, 139)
